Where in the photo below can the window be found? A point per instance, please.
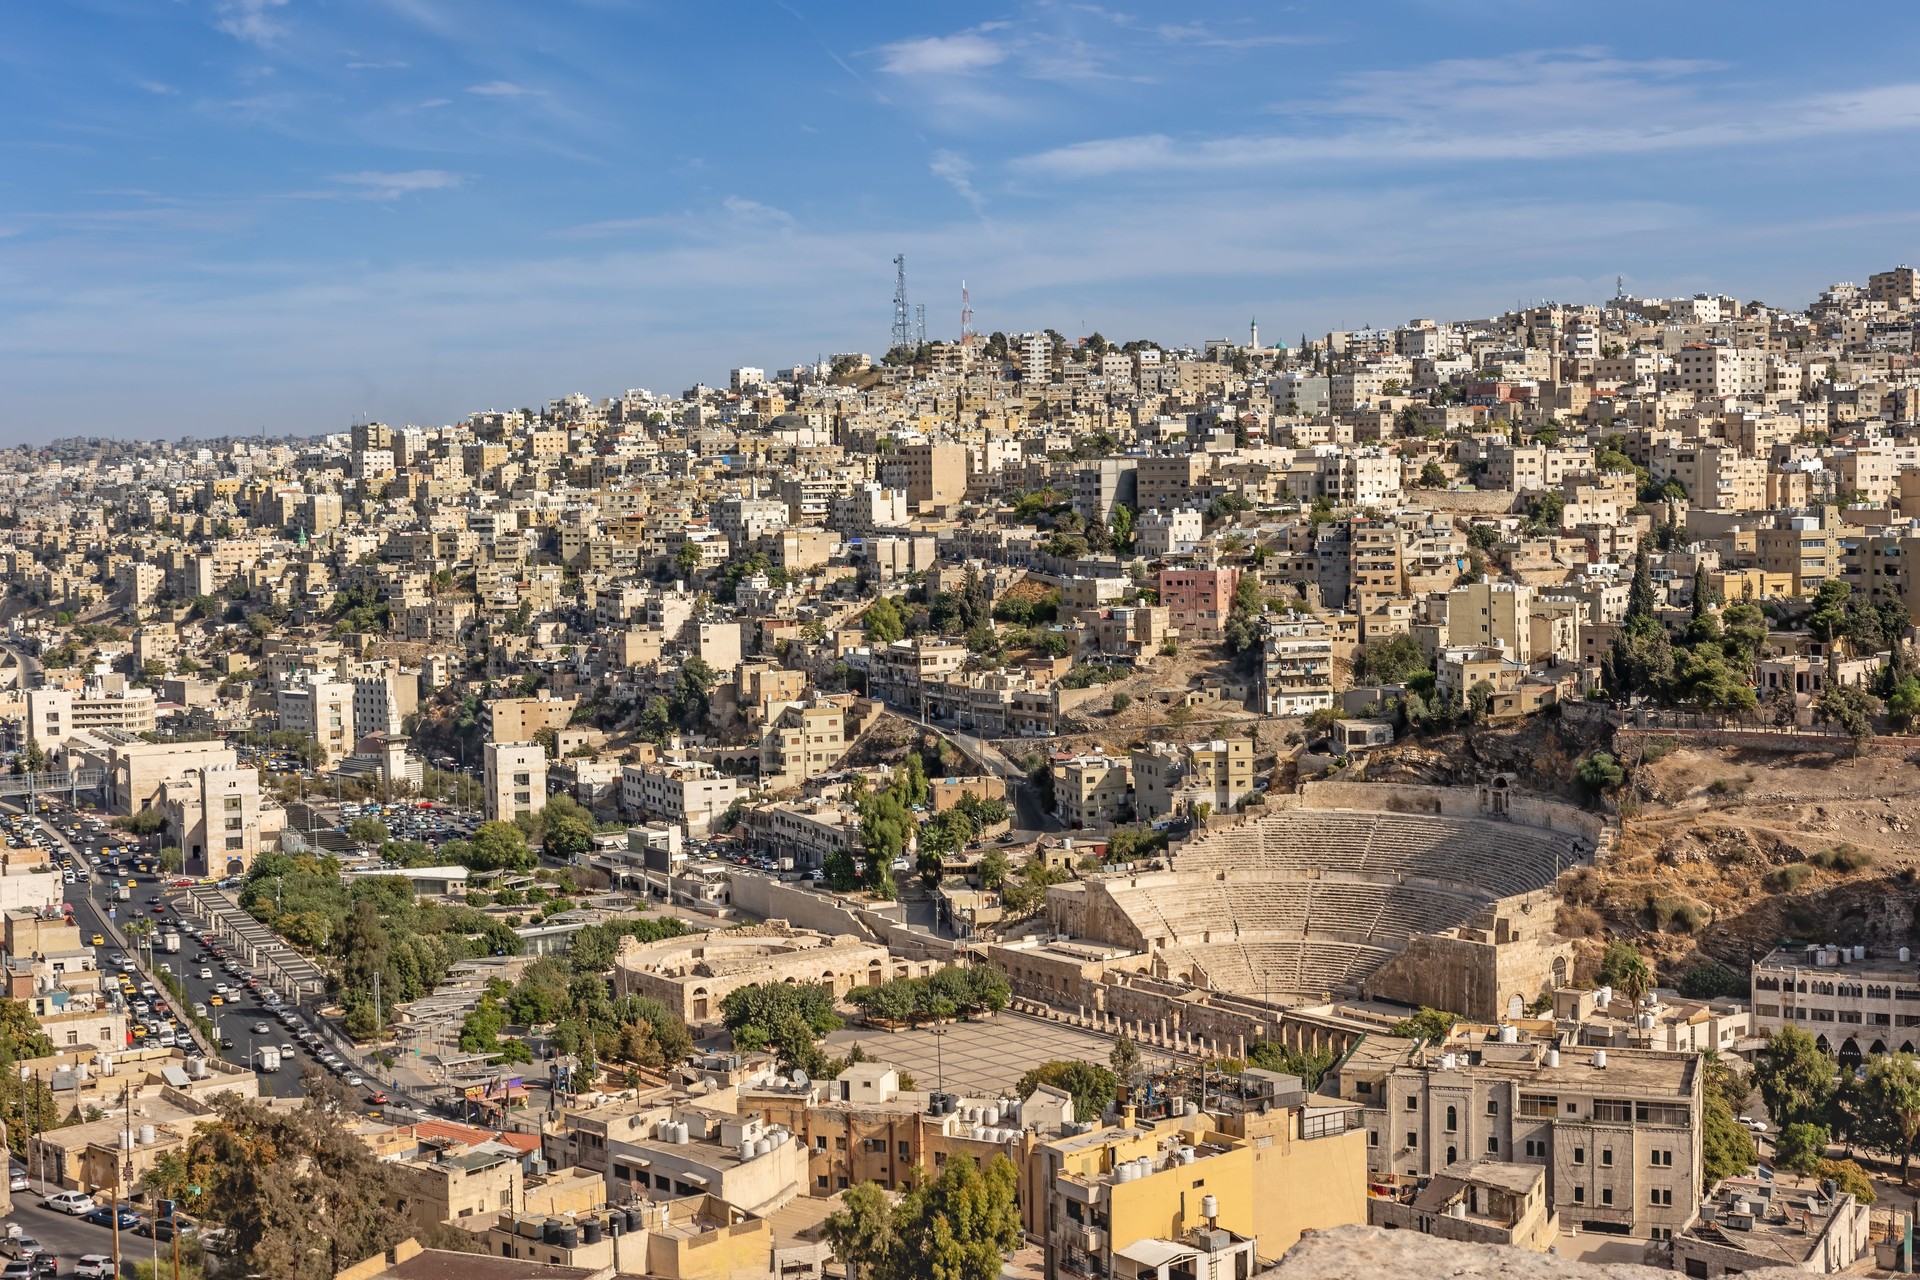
(1660, 1197)
(1413, 1103)
(1662, 1159)
(843, 1184)
(820, 1142)
(905, 1151)
(1579, 1155)
(1493, 1145)
(1536, 1147)
(1606, 1195)
(1612, 1110)
(1493, 1107)
(1413, 1140)
(1373, 1138)
(1453, 1119)
(1579, 1195)
(839, 1144)
(1606, 1157)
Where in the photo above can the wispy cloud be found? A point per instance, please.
(253, 21)
(501, 89)
(955, 170)
(394, 64)
(156, 88)
(961, 54)
(1489, 110)
(371, 185)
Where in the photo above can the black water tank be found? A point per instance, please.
(634, 1222)
(569, 1237)
(550, 1231)
(590, 1231)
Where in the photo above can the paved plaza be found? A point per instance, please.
(979, 1058)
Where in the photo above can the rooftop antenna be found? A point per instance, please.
(902, 321)
(1619, 286)
(966, 316)
(920, 324)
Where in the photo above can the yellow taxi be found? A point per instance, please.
(99, 939)
(139, 1032)
(216, 999)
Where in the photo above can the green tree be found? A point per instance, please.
(368, 831)
(1093, 1087)
(963, 1225)
(498, 846)
(1850, 708)
(1311, 1065)
(1726, 1148)
(1599, 774)
(1120, 525)
(1889, 1107)
(1802, 1147)
(687, 559)
(1795, 1079)
(883, 622)
(1432, 476)
(1124, 1058)
(1903, 702)
(1850, 1177)
(1625, 969)
(1431, 1025)
(566, 827)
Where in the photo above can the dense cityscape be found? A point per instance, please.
(1023, 804)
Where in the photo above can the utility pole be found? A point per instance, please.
(376, 1002)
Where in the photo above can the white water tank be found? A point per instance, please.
(746, 1150)
(1646, 1022)
(1123, 1172)
(1193, 1108)
(1448, 1062)
(126, 1140)
(1209, 1208)
(993, 1116)
(1906, 954)
(1859, 953)
(763, 1146)
(1600, 1059)
(147, 1135)
(1509, 1034)
(1603, 996)
(681, 1134)
(1553, 1057)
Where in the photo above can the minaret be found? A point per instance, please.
(1253, 334)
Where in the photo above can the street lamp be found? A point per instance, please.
(939, 1059)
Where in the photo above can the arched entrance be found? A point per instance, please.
(1849, 1055)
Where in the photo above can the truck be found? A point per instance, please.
(170, 942)
(267, 1058)
(126, 894)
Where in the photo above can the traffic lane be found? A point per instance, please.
(67, 1236)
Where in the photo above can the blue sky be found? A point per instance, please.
(219, 215)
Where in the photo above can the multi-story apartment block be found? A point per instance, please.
(931, 472)
(1170, 779)
(1618, 1131)
(1296, 666)
(1492, 614)
(691, 793)
(55, 715)
(516, 780)
(1092, 789)
(1198, 601)
(321, 708)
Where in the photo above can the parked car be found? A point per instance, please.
(103, 1215)
(18, 1182)
(73, 1202)
(94, 1266)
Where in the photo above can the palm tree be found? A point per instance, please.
(1636, 979)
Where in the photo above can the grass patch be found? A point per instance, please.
(1843, 857)
(1788, 878)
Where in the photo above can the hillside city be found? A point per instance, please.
(1022, 805)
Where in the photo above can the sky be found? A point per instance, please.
(223, 216)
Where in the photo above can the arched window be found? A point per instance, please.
(1453, 1123)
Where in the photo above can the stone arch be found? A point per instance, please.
(1879, 1047)
(1821, 1044)
(1849, 1054)
(1559, 971)
(1516, 1007)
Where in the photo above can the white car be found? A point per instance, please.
(205, 975)
(220, 989)
(73, 1202)
(18, 1181)
(1758, 1126)
(94, 1266)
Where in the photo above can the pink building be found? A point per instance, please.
(1198, 600)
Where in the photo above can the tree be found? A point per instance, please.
(1311, 1065)
(1851, 708)
(1850, 1177)
(687, 559)
(1903, 702)
(1599, 774)
(1795, 1079)
(1640, 598)
(368, 831)
(1624, 968)
(1802, 1147)
(1120, 525)
(1889, 1107)
(1432, 476)
(172, 860)
(498, 846)
(963, 1225)
(1431, 1025)
(1392, 661)
(1125, 1057)
(883, 621)
(1726, 1148)
(567, 828)
(1093, 1087)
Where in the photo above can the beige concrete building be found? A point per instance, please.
(516, 780)
(689, 792)
(1492, 614)
(693, 975)
(55, 715)
(1091, 789)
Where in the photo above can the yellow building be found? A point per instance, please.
(1735, 585)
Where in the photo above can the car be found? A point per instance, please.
(94, 1266)
(226, 1042)
(354, 1082)
(1757, 1126)
(216, 998)
(104, 1215)
(18, 1181)
(199, 1009)
(262, 1029)
(205, 974)
(23, 1247)
(378, 1098)
(18, 1269)
(221, 988)
(69, 1202)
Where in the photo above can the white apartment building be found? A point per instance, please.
(516, 780)
(1853, 1003)
(690, 792)
(54, 715)
(215, 814)
(1720, 371)
(1168, 533)
(1297, 667)
(323, 708)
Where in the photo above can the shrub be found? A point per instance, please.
(1787, 879)
(1843, 857)
(1706, 980)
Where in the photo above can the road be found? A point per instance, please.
(93, 906)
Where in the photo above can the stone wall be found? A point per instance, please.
(1523, 808)
(769, 899)
(1342, 1253)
